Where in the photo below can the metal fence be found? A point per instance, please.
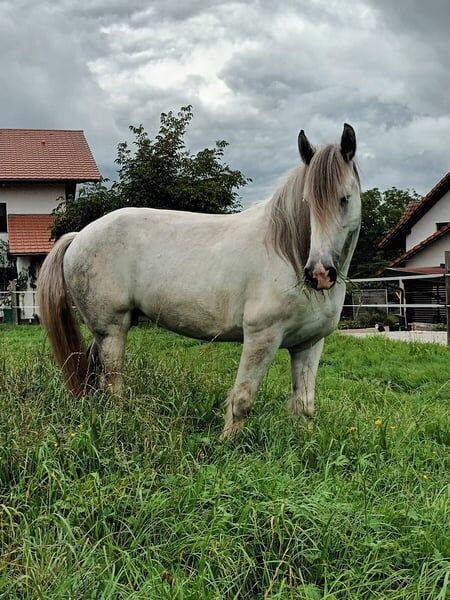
(402, 304)
(18, 306)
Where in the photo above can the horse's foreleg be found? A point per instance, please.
(257, 355)
(304, 364)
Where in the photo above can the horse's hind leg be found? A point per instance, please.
(111, 350)
(257, 354)
(304, 365)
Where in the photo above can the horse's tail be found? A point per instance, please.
(58, 320)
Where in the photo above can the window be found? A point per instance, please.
(3, 219)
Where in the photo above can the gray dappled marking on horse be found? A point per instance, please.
(271, 276)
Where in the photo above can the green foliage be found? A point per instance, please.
(163, 174)
(22, 280)
(32, 277)
(380, 212)
(139, 498)
(159, 173)
(7, 267)
(93, 201)
(369, 318)
(4, 256)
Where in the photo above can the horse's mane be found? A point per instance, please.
(289, 214)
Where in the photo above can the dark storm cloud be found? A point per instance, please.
(411, 17)
(423, 30)
(255, 72)
(138, 13)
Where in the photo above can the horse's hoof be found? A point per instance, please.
(303, 420)
(232, 429)
(309, 423)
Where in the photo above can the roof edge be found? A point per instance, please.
(38, 129)
(48, 179)
(435, 194)
(420, 246)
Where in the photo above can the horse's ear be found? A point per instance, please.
(305, 148)
(348, 142)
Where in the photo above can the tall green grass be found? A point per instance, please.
(139, 498)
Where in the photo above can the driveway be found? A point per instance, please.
(436, 337)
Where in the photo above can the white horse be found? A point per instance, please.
(271, 276)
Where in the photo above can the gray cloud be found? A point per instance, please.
(411, 17)
(255, 72)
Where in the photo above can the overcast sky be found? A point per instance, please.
(256, 73)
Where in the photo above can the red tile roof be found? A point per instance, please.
(46, 155)
(416, 209)
(421, 245)
(29, 234)
(421, 270)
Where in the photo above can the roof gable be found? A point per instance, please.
(416, 210)
(46, 155)
(421, 245)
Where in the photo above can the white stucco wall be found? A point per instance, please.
(432, 256)
(439, 213)
(31, 198)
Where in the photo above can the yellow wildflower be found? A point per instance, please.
(425, 476)
(378, 422)
(352, 429)
(73, 434)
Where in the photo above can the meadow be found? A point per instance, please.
(140, 499)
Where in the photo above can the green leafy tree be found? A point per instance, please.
(158, 173)
(380, 212)
(93, 201)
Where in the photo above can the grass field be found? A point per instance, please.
(139, 498)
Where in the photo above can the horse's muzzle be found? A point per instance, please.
(320, 277)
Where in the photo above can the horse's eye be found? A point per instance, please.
(344, 201)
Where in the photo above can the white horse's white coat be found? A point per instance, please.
(214, 277)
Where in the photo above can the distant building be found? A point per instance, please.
(38, 168)
(422, 236)
(423, 232)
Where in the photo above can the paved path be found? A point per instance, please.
(437, 337)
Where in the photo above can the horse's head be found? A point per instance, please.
(332, 190)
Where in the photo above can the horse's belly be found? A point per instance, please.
(207, 334)
(208, 319)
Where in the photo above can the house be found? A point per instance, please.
(38, 169)
(421, 238)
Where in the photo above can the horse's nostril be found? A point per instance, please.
(310, 279)
(332, 274)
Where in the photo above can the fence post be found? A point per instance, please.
(447, 293)
(12, 287)
(401, 285)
